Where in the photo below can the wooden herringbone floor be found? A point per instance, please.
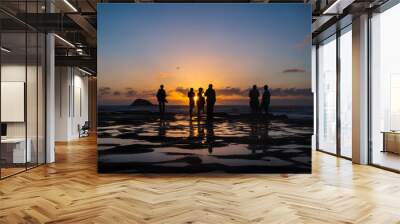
(71, 191)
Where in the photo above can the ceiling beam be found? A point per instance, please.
(86, 27)
(78, 61)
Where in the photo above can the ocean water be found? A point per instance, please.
(293, 112)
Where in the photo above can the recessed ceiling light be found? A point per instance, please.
(84, 71)
(70, 5)
(64, 40)
(5, 50)
(333, 6)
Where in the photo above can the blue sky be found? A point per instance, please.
(232, 46)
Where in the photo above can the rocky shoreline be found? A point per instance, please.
(139, 141)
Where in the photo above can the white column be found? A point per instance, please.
(63, 101)
(50, 98)
(360, 90)
(314, 91)
(50, 92)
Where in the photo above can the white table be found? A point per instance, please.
(19, 153)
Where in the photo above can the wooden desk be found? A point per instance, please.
(391, 141)
(16, 147)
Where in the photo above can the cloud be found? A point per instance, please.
(227, 91)
(181, 90)
(103, 91)
(230, 91)
(108, 91)
(236, 91)
(147, 93)
(291, 92)
(294, 70)
(129, 92)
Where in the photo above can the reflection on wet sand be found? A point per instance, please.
(179, 143)
(210, 135)
(162, 129)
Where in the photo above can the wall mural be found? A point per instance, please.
(190, 88)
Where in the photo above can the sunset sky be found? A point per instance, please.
(232, 46)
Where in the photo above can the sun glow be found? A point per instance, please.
(195, 98)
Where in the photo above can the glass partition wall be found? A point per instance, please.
(385, 89)
(327, 95)
(22, 87)
(334, 94)
(345, 92)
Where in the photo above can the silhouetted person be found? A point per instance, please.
(191, 101)
(162, 99)
(211, 98)
(254, 102)
(266, 100)
(200, 102)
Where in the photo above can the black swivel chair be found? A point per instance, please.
(84, 130)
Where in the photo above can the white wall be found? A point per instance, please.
(17, 73)
(71, 102)
(80, 112)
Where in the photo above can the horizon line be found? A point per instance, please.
(156, 105)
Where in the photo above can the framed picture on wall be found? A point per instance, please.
(12, 101)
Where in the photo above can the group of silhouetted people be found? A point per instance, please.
(208, 99)
(204, 99)
(254, 96)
